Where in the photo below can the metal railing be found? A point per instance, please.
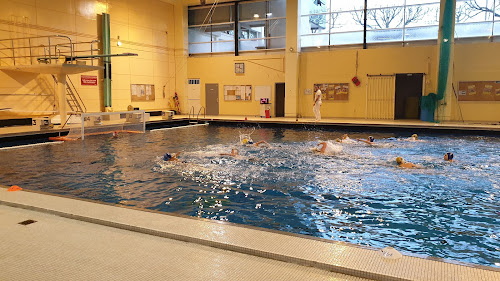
(198, 116)
(189, 115)
(73, 99)
(45, 49)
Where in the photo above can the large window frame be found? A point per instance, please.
(385, 22)
(258, 25)
(213, 30)
(477, 18)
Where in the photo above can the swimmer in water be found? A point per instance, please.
(234, 153)
(448, 157)
(370, 140)
(413, 137)
(115, 134)
(328, 148)
(168, 157)
(250, 141)
(323, 147)
(345, 139)
(403, 164)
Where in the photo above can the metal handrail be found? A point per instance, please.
(189, 115)
(80, 101)
(199, 111)
(49, 52)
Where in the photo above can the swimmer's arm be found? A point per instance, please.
(365, 141)
(323, 148)
(174, 158)
(262, 141)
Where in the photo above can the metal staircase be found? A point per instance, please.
(73, 99)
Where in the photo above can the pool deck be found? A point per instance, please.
(341, 123)
(75, 239)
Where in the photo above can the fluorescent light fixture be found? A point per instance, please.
(256, 16)
(269, 14)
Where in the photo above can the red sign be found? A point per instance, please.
(89, 80)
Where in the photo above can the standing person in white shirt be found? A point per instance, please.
(317, 103)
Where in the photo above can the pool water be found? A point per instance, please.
(448, 210)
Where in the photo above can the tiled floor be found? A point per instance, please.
(90, 240)
(56, 248)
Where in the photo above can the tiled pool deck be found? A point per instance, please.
(83, 240)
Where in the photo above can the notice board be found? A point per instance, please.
(237, 92)
(479, 91)
(142, 92)
(333, 91)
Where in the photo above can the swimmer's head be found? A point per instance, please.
(371, 139)
(167, 157)
(448, 156)
(234, 151)
(400, 160)
(244, 141)
(414, 136)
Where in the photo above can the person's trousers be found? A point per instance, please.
(316, 111)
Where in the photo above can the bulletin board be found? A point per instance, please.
(333, 91)
(142, 92)
(479, 91)
(238, 92)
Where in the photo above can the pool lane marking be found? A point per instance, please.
(30, 145)
(178, 127)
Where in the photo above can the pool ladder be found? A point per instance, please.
(197, 121)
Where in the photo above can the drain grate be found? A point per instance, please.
(26, 222)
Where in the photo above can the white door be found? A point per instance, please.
(193, 96)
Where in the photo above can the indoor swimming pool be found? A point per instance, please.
(359, 195)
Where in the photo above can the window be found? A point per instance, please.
(211, 29)
(339, 22)
(476, 18)
(261, 25)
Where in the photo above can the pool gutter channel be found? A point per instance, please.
(288, 258)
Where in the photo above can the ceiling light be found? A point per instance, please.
(256, 16)
(269, 14)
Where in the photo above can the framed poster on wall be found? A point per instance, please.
(333, 91)
(237, 92)
(142, 92)
(479, 91)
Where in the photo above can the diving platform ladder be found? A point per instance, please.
(73, 99)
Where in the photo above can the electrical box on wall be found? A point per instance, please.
(239, 67)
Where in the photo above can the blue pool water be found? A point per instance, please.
(448, 210)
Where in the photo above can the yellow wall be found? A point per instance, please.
(260, 70)
(339, 66)
(145, 27)
(477, 62)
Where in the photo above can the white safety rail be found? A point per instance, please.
(380, 97)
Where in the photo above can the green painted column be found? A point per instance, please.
(445, 55)
(106, 50)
